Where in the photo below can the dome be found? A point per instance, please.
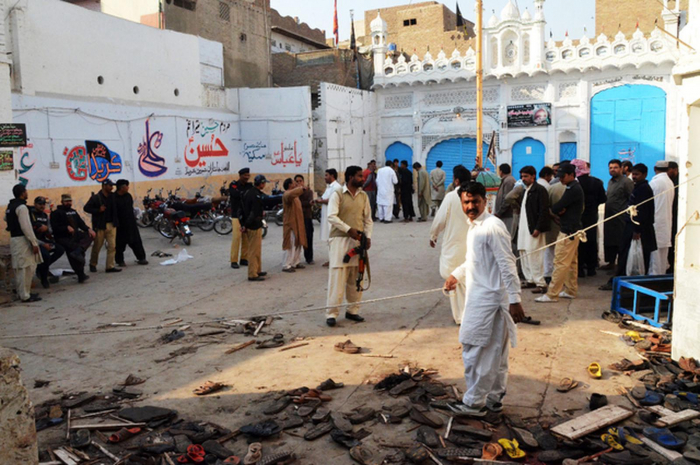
(493, 21)
(510, 11)
(378, 24)
(526, 16)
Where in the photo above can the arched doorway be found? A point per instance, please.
(526, 152)
(400, 151)
(629, 123)
(453, 152)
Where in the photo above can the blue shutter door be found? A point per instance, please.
(453, 152)
(400, 151)
(522, 158)
(567, 151)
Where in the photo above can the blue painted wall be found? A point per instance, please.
(567, 151)
(627, 122)
(453, 152)
(522, 158)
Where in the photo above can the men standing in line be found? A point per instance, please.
(664, 193)
(424, 195)
(105, 223)
(546, 176)
(239, 241)
(594, 196)
(627, 168)
(673, 174)
(386, 182)
(534, 223)
(397, 189)
(451, 219)
(437, 186)
(24, 246)
(569, 208)
(71, 233)
(620, 188)
(407, 190)
(350, 216)
(503, 209)
(370, 187)
(307, 200)
(294, 232)
(50, 251)
(492, 305)
(252, 212)
(128, 231)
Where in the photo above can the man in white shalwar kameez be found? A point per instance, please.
(24, 246)
(332, 185)
(534, 223)
(451, 220)
(664, 192)
(386, 180)
(492, 305)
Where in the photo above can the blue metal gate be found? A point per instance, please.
(399, 151)
(629, 123)
(567, 151)
(526, 152)
(453, 152)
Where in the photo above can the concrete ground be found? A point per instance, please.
(416, 331)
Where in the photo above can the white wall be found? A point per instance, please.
(131, 10)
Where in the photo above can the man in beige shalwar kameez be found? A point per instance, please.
(23, 244)
(294, 231)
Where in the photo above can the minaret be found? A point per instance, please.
(537, 39)
(378, 30)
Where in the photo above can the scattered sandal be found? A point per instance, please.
(595, 371)
(254, 454)
(567, 384)
(123, 434)
(491, 451)
(512, 448)
(208, 388)
(329, 384)
(347, 347)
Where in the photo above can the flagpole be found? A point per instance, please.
(479, 86)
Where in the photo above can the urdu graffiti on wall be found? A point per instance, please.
(204, 142)
(94, 159)
(24, 166)
(151, 164)
(254, 151)
(287, 155)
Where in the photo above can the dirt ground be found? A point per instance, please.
(416, 331)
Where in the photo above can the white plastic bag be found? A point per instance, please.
(635, 259)
(183, 256)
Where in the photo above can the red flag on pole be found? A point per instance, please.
(335, 23)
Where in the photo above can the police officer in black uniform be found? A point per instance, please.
(50, 251)
(71, 233)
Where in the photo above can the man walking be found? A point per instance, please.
(239, 241)
(307, 200)
(386, 180)
(594, 196)
(407, 191)
(71, 233)
(620, 188)
(128, 231)
(569, 208)
(437, 186)
(105, 223)
(673, 174)
(370, 187)
(294, 232)
(534, 223)
(492, 305)
(24, 246)
(424, 195)
(451, 220)
(252, 212)
(50, 251)
(503, 209)
(350, 216)
(664, 193)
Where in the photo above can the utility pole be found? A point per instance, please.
(479, 86)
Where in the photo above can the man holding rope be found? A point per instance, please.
(492, 305)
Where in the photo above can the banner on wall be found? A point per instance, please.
(531, 115)
(13, 135)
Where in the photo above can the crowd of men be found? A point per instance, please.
(38, 239)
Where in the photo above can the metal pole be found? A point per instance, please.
(479, 86)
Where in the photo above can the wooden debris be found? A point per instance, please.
(68, 424)
(645, 327)
(167, 458)
(79, 454)
(66, 457)
(377, 356)
(669, 454)
(257, 330)
(102, 437)
(268, 321)
(228, 437)
(449, 427)
(589, 422)
(240, 346)
(670, 418)
(184, 328)
(625, 392)
(96, 414)
(107, 426)
(78, 401)
(301, 344)
(105, 451)
(212, 333)
(173, 322)
(121, 324)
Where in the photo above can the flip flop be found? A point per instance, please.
(317, 431)
(567, 384)
(80, 438)
(689, 396)
(652, 398)
(529, 321)
(344, 439)
(625, 435)
(208, 388)
(347, 347)
(525, 438)
(491, 451)
(427, 435)
(664, 437)
(364, 455)
(329, 384)
(595, 371)
(624, 458)
(512, 448)
(254, 454)
(425, 418)
(123, 434)
(610, 440)
(279, 457)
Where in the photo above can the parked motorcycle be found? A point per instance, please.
(175, 224)
(150, 211)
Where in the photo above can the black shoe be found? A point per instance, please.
(142, 261)
(53, 279)
(262, 273)
(32, 298)
(352, 317)
(244, 262)
(113, 270)
(257, 278)
(122, 264)
(234, 265)
(330, 322)
(93, 269)
(592, 273)
(45, 283)
(581, 274)
(606, 287)
(78, 256)
(82, 278)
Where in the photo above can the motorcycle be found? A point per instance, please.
(174, 224)
(150, 209)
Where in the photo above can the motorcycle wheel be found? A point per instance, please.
(187, 240)
(145, 221)
(223, 226)
(165, 229)
(264, 231)
(279, 218)
(206, 221)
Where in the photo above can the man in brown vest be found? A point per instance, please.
(349, 215)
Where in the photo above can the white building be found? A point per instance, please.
(597, 99)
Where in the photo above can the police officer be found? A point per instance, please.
(50, 251)
(239, 241)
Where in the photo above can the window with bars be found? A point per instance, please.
(224, 11)
(186, 4)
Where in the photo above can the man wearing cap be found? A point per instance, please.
(50, 251)
(664, 193)
(128, 231)
(24, 246)
(568, 210)
(71, 233)
(252, 222)
(105, 223)
(239, 241)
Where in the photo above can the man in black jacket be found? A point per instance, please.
(50, 251)
(71, 233)
(239, 241)
(534, 223)
(568, 211)
(128, 231)
(105, 223)
(594, 196)
(253, 212)
(407, 190)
